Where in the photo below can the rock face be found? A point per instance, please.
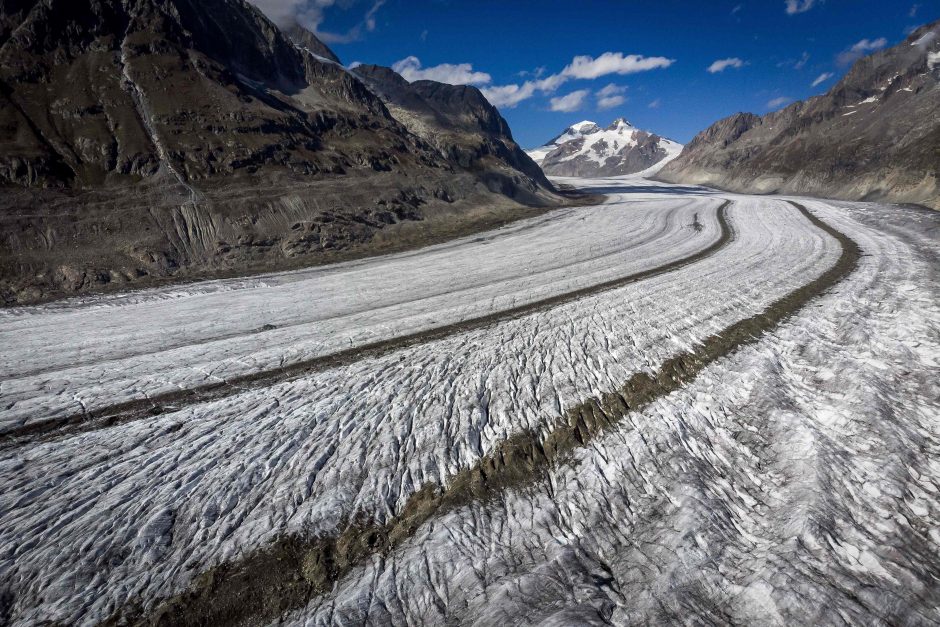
(874, 136)
(307, 41)
(585, 149)
(462, 125)
(145, 139)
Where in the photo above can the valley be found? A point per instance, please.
(294, 331)
(196, 487)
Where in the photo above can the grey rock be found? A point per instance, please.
(158, 140)
(873, 136)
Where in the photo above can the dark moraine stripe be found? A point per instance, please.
(173, 401)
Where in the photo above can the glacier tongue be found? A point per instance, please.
(793, 481)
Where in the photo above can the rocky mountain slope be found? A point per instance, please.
(874, 136)
(462, 125)
(142, 140)
(586, 149)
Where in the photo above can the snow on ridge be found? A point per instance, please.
(572, 132)
(933, 59)
(599, 143)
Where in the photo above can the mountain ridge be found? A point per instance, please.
(585, 149)
(873, 136)
(148, 140)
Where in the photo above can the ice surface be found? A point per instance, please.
(65, 360)
(793, 482)
(802, 440)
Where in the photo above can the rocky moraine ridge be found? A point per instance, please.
(874, 136)
(155, 139)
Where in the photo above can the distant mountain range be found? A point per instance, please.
(585, 149)
(874, 136)
(147, 139)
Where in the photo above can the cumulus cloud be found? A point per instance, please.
(508, 96)
(859, 49)
(822, 78)
(310, 15)
(610, 96)
(609, 102)
(581, 67)
(799, 6)
(776, 103)
(585, 66)
(570, 102)
(722, 64)
(450, 73)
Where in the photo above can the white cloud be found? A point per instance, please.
(799, 6)
(822, 78)
(452, 74)
(611, 89)
(581, 67)
(913, 11)
(655, 104)
(609, 102)
(508, 96)
(310, 15)
(369, 19)
(610, 96)
(722, 64)
(736, 9)
(860, 49)
(776, 103)
(570, 102)
(804, 58)
(585, 66)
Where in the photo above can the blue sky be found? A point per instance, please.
(652, 57)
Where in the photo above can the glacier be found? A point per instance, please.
(794, 480)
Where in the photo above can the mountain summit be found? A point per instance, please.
(873, 136)
(586, 149)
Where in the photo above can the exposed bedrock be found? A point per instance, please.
(141, 141)
(873, 136)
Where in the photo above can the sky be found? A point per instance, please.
(671, 66)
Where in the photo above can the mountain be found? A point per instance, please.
(462, 125)
(572, 132)
(144, 140)
(585, 149)
(873, 136)
(307, 41)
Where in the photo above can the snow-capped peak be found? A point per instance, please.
(586, 149)
(585, 127)
(620, 123)
(575, 131)
(583, 124)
